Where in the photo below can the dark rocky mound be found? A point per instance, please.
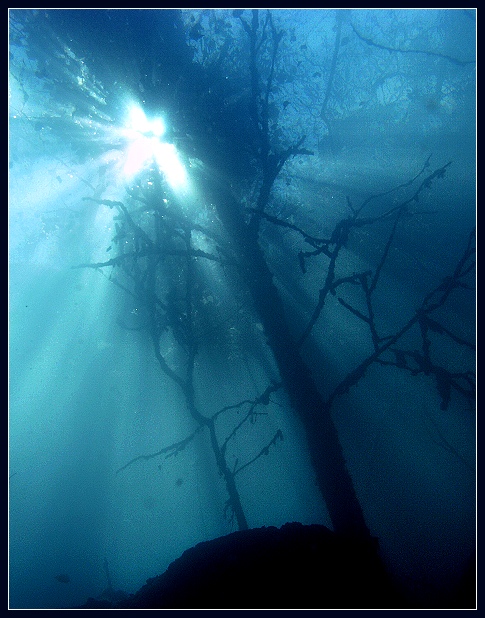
(294, 567)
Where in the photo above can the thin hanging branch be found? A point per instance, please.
(432, 54)
(264, 451)
(333, 64)
(168, 451)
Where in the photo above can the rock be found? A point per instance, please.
(293, 567)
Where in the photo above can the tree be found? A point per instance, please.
(230, 93)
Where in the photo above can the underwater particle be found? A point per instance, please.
(178, 482)
(63, 578)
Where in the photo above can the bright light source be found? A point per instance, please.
(139, 123)
(157, 127)
(145, 147)
(137, 120)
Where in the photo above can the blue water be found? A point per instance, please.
(86, 394)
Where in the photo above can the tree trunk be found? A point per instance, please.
(324, 446)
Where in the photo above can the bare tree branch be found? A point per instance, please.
(457, 61)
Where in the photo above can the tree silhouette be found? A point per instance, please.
(171, 252)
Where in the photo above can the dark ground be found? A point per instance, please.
(294, 567)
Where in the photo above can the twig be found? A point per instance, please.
(172, 449)
(264, 451)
